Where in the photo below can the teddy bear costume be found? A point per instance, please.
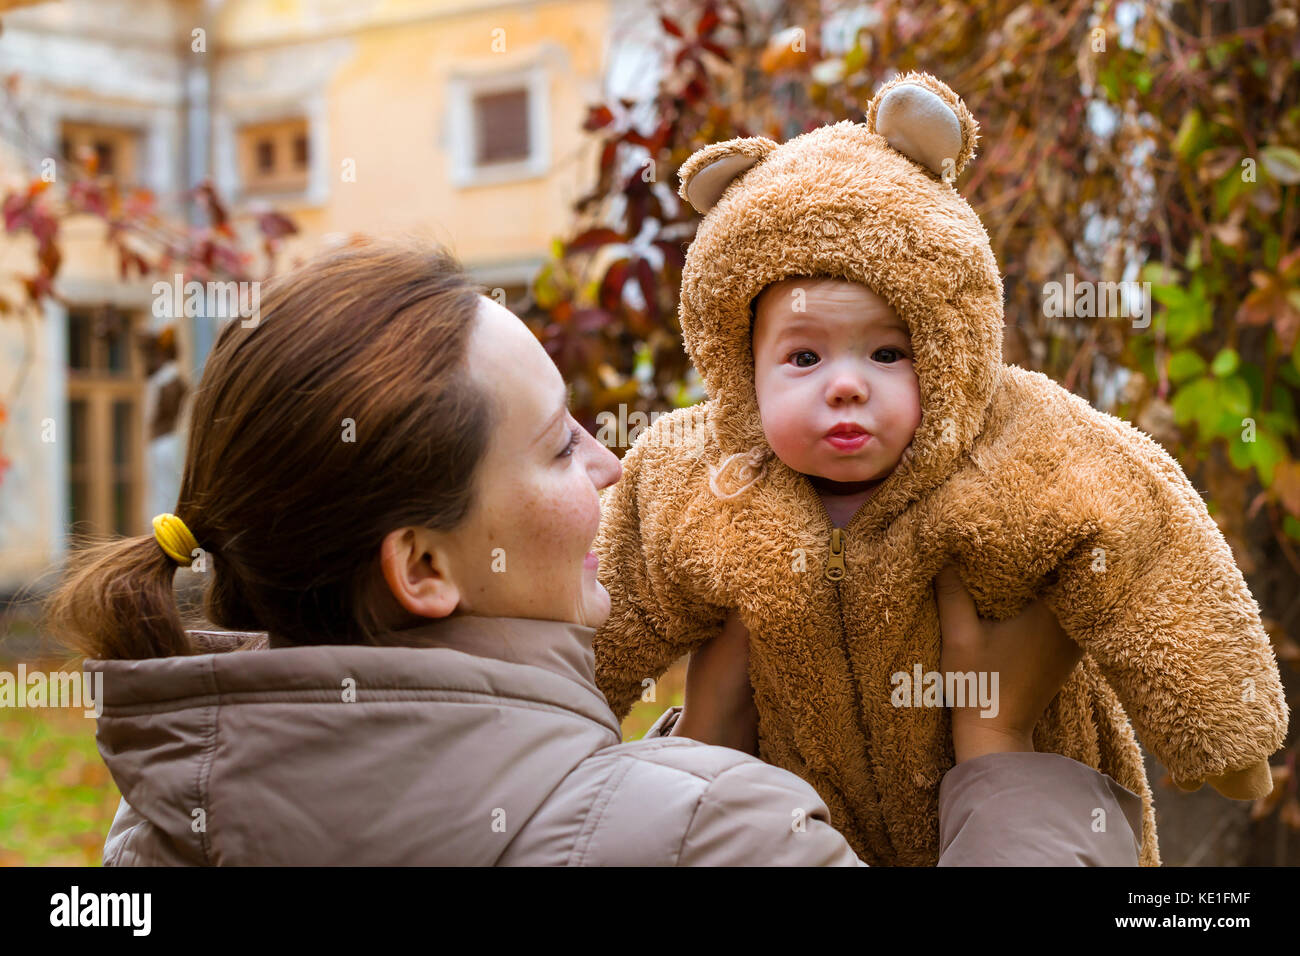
(1022, 485)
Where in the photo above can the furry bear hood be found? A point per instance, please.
(872, 203)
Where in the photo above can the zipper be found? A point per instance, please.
(834, 572)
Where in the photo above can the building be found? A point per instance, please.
(458, 120)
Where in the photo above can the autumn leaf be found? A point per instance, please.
(1286, 485)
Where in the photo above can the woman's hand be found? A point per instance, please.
(1030, 653)
(719, 706)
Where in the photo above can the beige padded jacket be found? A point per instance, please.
(488, 743)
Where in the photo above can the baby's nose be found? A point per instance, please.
(847, 387)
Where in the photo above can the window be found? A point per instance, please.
(498, 125)
(501, 127)
(105, 445)
(107, 150)
(274, 157)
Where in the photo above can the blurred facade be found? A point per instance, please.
(455, 120)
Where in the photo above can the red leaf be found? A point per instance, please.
(716, 50)
(673, 254)
(694, 91)
(645, 278)
(206, 194)
(709, 21)
(276, 225)
(672, 27)
(598, 117)
(608, 154)
(611, 287)
(593, 238)
(591, 320)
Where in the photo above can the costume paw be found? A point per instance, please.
(1249, 783)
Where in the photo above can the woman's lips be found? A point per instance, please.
(591, 561)
(848, 441)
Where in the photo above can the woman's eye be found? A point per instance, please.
(896, 353)
(803, 352)
(574, 435)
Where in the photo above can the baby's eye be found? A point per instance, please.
(891, 355)
(803, 352)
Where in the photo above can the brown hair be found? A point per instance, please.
(289, 504)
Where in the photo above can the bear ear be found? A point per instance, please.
(709, 171)
(925, 121)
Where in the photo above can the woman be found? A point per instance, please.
(382, 476)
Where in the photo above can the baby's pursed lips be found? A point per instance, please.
(848, 428)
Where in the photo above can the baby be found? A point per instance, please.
(843, 306)
(837, 392)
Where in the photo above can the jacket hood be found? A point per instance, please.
(872, 203)
(348, 754)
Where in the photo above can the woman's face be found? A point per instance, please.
(523, 550)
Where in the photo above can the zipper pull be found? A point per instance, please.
(835, 563)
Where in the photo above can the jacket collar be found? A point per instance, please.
(563, 648)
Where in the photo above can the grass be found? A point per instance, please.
(668, 693)
(56, 796)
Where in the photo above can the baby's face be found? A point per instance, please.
(828, 351)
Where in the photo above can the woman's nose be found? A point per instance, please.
(605, 468)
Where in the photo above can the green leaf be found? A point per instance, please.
(1226, 425)
(1234, 393)
(1187, 141)
(1225, 363)
(1186, 320)
(1255, 379)
(1195, 401)
(1289, 373)
(1278, 422)
(1268, 451)
(1185, 364)
(1283, 400)
(1226, 191)
(1291, 526)
(855, 59)
(1157, 274)
(1240, 453)
(1282, 163)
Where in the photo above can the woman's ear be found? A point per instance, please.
(708, 172)
(925, 121)
(417, 573)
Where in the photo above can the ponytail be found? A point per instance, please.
(117, 602)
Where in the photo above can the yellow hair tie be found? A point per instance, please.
(174, 538)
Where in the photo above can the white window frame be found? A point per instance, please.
(227, 125)
(462, 90)
(153, 129)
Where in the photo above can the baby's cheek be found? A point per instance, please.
(788, 434)
(910, 411)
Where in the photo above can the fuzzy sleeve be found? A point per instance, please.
(1155, 597)
(654, 618)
